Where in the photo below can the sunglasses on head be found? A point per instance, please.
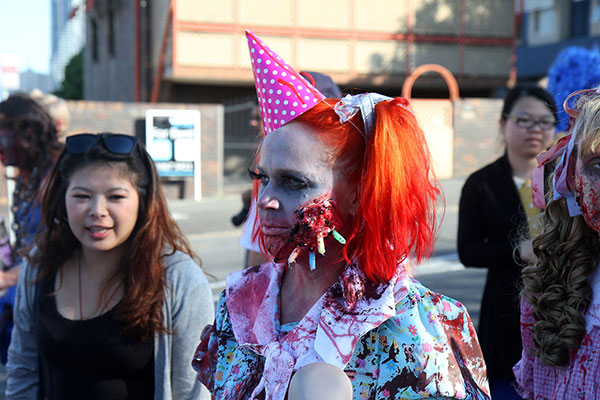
(116, 143)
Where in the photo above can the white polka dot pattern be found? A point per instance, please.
(277, 84)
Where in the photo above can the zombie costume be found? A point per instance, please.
(576, 380)
(393, 340)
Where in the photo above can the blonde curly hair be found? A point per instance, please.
(568, 250)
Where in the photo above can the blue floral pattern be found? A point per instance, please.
(428, 350)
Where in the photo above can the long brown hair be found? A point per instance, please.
(557, 286)
(155, 235)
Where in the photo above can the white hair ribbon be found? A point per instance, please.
(561, 189)
(562, 150)
(348, 106)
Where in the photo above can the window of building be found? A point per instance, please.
(595, 17)
(112, 37)
(94, 39)
(544, 22)
(595, 14)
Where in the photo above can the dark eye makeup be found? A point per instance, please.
(256, 176)
(286, 179)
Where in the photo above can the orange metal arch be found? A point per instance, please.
(444, 72)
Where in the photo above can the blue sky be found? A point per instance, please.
(25, 31)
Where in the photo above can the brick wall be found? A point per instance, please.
(99, 116)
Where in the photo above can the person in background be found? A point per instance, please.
(338, 226)
(111, 302)
(330, 90)
(57, 109)
(247, 214)
(560, 300)
(29, 143)
(495, 205)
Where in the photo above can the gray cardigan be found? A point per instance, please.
(188, 307)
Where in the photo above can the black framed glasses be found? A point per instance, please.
(545, 124)
(116, 143)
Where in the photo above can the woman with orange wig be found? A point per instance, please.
(344, 197)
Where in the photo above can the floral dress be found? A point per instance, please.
(395, 340)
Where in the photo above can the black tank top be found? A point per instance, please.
(90, 359)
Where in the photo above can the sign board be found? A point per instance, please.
(9, 72)
(173, 142)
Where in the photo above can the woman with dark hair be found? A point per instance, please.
(341, 206)
(29, 142)
(495, 205)
(110, 303)
(560, 300)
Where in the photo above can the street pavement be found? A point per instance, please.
(207, 225)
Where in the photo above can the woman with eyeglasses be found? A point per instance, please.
(111, 302)
(495, 207)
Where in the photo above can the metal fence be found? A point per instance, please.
(241, 139)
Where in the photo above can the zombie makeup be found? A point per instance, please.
(316, 221)
(295, 167)
(587, 189)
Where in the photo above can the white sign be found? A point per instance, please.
(173, 142)
(9, 72)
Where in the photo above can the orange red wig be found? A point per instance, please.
(392, 170)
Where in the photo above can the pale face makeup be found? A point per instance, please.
(295, 167)
(587, 188)
(102, 208)
(526, 143)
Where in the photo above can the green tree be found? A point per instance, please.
(71, 87)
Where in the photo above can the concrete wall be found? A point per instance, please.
(477, 140)
(98, 116)
(475, 136)
(462, 136)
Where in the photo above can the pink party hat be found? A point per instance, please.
(283, 94)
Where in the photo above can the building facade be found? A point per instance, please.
(195, 50)
(548, 26)
(60, 10)
(69, 35)
(31, 80)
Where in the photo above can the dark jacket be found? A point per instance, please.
(491, 221)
